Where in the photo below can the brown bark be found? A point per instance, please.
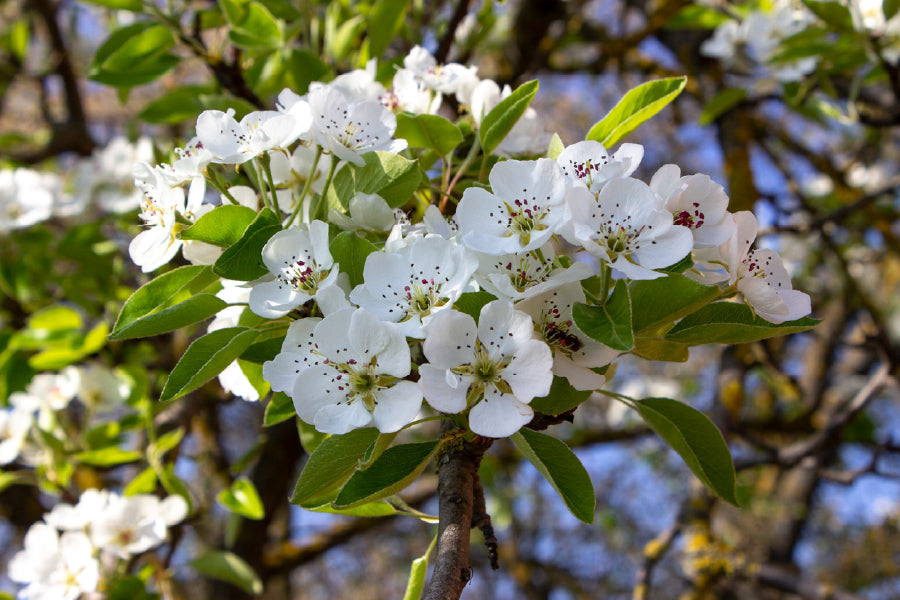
(457, 476)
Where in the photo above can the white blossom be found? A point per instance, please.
(527, 206)
(696, 202)
(26, 198)
(54, 567)
(627, 226)
(232, 142)
(348, 371)
(494, 369)
(411, 285)
(350, 129)
(589, 164)
(518, 276)
(301, 269)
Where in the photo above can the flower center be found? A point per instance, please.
(302, 277)
(692, 219)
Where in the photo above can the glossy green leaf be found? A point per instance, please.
(890, 8)
(163, 292)
(387, 475)
(174, 107)
(141, 44)
(694, 437)
(132, 5)
(264, 350)
(56, 318)
(304, 67)
(429, 131)
(344, 37)
(559, 465)
(280, 408)
(499, 122)
(384, 22)
(833, 13)
(731, 323)
(243, 260)
(331, 464)
(143, 483)
(173, 484)
(610, 323)
(108, 457)
(721, 104)
(379, 508)
(637, 106)
(391, 176)
(350, 252)
(165, 443)
(230, 568)
(192, 310)
(562, 398)
(222, 226)
(659, 349)
(697, 17)
(657, 303)
(243, 499)
(471, 303)
(257, 28)
(205, 358)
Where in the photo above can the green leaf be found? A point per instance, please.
(503, 117)
(243, 260)
(556, 147)
(174, 107)
(387, 475)
(384, 22)
(129, 588)
(610, 323)
(562, 398)
(429, 131)
(134, 55)
(8, 478)
(108, 457)
(350, 252)
(656, 303)
(391, 176)
(731, 323)
(230, 568)
(222, 226)
(890, 8)
(280, 408)
(657, 349)
(696, 440)
(310, 437)
(205, 358)
(143, 483)
(193, 310)
(243, 499)
(173, 484)
(55, 318)
(417, 571)
(721, 104)
(132, 5)
(344, 37)
(638, 105)
(265, 350)
(165, 443)
(559, 465)
(471, 303)
(163, 292)
(697, 17)
(257, 29)
(304, 67)
(331, 464)
(833, 13)
(373, 509)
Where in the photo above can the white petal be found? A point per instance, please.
(341, 418)
(450, 339)
(499, 415)
(440, 395)
(530, 372)
(397, 406)
(274, 299)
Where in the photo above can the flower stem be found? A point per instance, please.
(322, 203)
(298, 207)
(220, 187)
(271, 183)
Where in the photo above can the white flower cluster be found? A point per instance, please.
(353, 365)
(105, 180)
(66, 554)
(98, 388)
(751, 43)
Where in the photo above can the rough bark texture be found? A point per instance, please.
(457, 476)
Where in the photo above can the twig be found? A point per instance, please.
(462, 7)
(482, 520)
